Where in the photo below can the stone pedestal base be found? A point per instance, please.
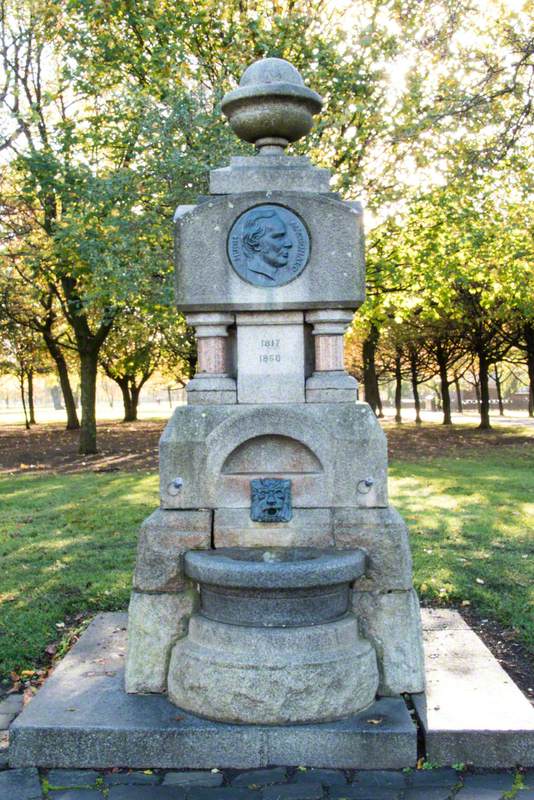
(268, 676)
(82, 717)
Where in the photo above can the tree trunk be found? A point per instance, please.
(459, 407)
(73, 423)
(379, 408)
(124, 385)
(498, 387)
(135, 392)
(398, 388)
(529, 339)
(483, 376)
(30, 397)
(88, 370)
(370, 381)
(444, 386)
(415, 388)
(23, 398)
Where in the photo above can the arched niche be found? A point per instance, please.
(272, 454)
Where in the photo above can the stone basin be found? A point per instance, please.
(270, 587)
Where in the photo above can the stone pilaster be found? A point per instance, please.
(329, 382)
(212, 382)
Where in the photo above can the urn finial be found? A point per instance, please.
(272, 107)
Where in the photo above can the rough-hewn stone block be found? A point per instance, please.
(164, 537)
(383, 534)
(392, 622)
(309, 527)
(156, 622)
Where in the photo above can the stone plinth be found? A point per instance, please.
(82, 717)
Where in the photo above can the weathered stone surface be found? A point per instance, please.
(383, 534)
(211, 390)
(203, 778)
(260, 777)
(156, 622)
(331, 387)
(288, 587)
(472, 711)
(424, 778)
(392, 623)
(270, 357)
(379, 778)
(333, 278)
(327, 777)
(140, 793)
(302, 791)
(308, 527)
(82, 717)
(131, 778)
(164, 537)
(69, 778)
(363, 793)
(222, 793)
(272, 675)
(276, 173)
(344, 439)
(433, 793)
(20, 784)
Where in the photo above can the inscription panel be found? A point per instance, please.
(268, 245)
(270, 364)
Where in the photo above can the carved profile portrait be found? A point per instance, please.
(270, 500)
(268, 245)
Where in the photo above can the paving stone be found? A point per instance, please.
(260, 777)
(6, 720)
(479, 794)
(75, 794)
(115, 778)
(12, 704)
(472, 711)
(426, 793)
(303, 791)
(525, 794)
(328, 777)
(196, 778)
(432, 777)
(4, 757)
(493, 780)
(145, 793)
(223, 793)
(71, 778)
(20, 784)
(371, 792)
(385, 779)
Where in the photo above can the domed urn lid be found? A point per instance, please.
(272, 107)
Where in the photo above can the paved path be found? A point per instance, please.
(277, 783)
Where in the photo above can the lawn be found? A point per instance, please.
(67, 543)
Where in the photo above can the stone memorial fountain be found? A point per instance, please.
(273, 586)
(273, 619)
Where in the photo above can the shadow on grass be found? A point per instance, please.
(67, 545)
(471, 524)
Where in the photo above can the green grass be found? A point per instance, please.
(472, 532)
(67, 543)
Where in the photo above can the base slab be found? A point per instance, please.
(82, 717)
(472, 711)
